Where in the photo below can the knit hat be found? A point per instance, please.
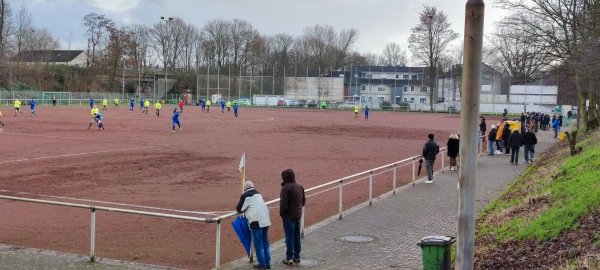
(493, 126)
(430, 136)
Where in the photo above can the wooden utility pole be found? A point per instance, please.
(471, 86)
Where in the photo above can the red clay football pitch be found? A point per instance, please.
(138, 163)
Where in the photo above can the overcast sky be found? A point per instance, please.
(379, 21)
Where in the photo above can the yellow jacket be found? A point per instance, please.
(157, 105)
(94, 111)
(146, 103)
(17, 103)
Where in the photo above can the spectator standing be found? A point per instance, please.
(453, 146)
(505, 137)
(53, 100)
(291, 201)
(492, 140)
(430, 151)
(556, 127)
(499, 136)
(482, 127)
(529, 142)
(253, 205)
(515, 141)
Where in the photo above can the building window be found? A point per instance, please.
(397, 76)
(405, 99)
(423, 100)
(381, 88)
(424, 89)
(405, 77)
(379, 99)
(370, 99)
(412, 100)
(363, 87)
(405, 88)
(370, 88)
(362, 98)
(415, 77)
(412, 88)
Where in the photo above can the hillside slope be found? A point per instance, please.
(549, 218)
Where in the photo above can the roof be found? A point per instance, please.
(47, 56)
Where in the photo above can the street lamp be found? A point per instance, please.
(167, 20)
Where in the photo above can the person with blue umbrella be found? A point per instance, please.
(253, 206)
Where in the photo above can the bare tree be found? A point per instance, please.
(566, 28)
(97, 27)
(217, 41)
(323, 47)
(6, 25)
(520, 54)
(40, 39)
(393, 55)
(429, 40)
(23, 27)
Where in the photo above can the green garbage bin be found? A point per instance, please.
(436, 252)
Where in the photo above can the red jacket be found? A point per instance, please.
(180, 103)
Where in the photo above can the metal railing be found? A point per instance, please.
(339, 182)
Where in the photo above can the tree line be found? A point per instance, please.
(536, 39)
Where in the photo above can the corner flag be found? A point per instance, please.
(242, 163)
(242, 169)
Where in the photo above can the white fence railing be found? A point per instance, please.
(339, 182)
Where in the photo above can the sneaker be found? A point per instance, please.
(287, 262)
(531, 159)
(173, 131)
(296, 260)
(428, 182)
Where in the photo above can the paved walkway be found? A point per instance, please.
(398, 222)
(395, 222)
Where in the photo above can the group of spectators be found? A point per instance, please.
(291, 201)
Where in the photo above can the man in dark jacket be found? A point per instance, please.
(292, 200)
(529, 142)
(514, 142)
(505, 137)
(482, 127)
(253, 205)
(492, 140)
(430, 151)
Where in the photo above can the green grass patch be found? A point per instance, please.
(549, 198)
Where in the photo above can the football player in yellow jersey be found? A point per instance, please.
(18, 107)
(104, 104)
(116, 103)
(1, 120)
(146, 106)
(93, 111)
(356, 109)
(157, 106)
(228, 104)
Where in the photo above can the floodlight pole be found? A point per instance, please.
(167, 20)
(471, 84)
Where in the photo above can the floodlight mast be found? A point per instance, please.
(167, 20)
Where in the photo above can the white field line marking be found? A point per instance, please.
(74, 138)
(213, 213)
(76, 154)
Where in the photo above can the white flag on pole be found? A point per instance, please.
(242, 163)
